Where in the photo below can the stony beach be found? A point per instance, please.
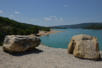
(45, 57)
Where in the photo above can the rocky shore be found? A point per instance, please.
(45, 57)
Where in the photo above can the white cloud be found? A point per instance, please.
(17, 12)
(65, 5)
(53, 18)
(47, 19)
(34, 20)
(1, 11)
(61, 19)
(11, 16)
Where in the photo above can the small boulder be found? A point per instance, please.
(84, 46)
(20, 43)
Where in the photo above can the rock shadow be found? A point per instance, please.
(35, 51)
(99, 60)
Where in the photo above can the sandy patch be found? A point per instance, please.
(43, 33)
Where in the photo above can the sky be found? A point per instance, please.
(52, 12)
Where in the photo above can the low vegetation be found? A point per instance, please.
(93, 26)
(12, 27)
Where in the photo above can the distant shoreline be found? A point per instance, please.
(44, 33)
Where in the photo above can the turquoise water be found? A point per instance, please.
(62, 39)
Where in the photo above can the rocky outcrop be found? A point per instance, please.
(20, 43)
(84, 46)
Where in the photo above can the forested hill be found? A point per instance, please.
(12, 27)
(95, 25)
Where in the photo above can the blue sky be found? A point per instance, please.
(52, 12)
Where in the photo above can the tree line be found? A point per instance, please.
(12, 27)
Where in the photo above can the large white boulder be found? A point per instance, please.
(20, 43)
(84, 46)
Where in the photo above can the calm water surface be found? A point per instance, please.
(62, 39)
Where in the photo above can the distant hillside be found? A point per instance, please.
(11, 27)
(83, 26)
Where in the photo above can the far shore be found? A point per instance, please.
(43, 33)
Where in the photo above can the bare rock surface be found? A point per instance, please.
(20, 43)
(48, 58)
(84, 46)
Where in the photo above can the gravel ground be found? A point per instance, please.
(45, 57)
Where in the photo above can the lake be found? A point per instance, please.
(62, 39)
